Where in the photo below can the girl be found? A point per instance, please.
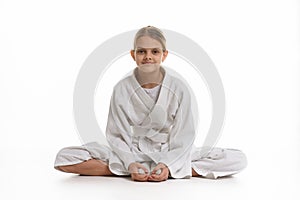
(150, 127)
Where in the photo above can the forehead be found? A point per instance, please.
(147, 42)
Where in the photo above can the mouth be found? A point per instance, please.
(148, 64)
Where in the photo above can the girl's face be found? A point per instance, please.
(148, 54)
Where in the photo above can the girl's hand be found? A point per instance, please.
(159, 173)
(138, 172)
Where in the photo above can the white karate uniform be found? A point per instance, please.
(152, 126)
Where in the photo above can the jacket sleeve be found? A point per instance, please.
(182, 136)
(118, 131)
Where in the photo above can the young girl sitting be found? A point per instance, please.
(150, 127)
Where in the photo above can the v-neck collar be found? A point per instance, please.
(146, 99)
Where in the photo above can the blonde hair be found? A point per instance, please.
(152, 32)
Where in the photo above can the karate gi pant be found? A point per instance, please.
(219, 162)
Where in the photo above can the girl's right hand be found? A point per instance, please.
(135, 171)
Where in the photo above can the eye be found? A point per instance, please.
(155, 51)
(140, 51)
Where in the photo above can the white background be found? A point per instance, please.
(254, 45)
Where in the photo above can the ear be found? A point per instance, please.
(132, 54)
(165, 54)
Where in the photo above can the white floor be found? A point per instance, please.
(35, 178)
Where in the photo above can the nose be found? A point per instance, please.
(148, 55)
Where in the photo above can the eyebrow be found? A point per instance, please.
(149, 48)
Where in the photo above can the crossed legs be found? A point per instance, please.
(93, 167)
(93, 162)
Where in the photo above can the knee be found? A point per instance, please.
(64, 161)
(66, 158)
(237, 159)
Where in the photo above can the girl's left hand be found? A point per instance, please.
(159, 173)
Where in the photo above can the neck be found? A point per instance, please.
(149, 79)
